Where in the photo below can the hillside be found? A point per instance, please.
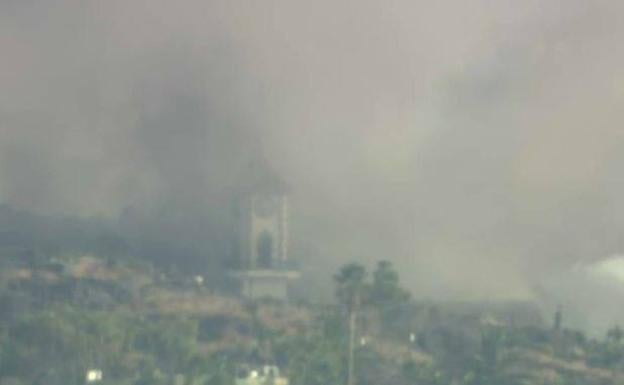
(140, 325)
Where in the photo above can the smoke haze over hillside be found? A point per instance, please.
(477, 144)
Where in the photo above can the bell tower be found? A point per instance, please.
(263, 230)
(263, 266)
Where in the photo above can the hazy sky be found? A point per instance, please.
(460, 139)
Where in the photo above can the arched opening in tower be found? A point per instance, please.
(265, 250)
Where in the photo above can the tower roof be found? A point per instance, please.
(261, 178)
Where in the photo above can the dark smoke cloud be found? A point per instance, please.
(477, 144)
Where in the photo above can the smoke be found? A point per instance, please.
(475, 144)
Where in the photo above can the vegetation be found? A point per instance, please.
(65, 313)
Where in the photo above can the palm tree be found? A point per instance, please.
(350, 290)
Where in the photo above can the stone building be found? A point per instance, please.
(262, 267)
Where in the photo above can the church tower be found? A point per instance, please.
(262, 267)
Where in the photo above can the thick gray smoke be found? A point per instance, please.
(475, 143)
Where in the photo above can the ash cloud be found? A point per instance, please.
(476, 144)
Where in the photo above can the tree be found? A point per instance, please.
(615, 334)
(319, 364)
(351, 285)
(386, 285)
(486, 364)
(423, 374)
(350, 290)
(389, 299)
(558, 319)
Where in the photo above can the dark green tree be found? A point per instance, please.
(386, 288)
(390, 300)
(615, 334)
(351, 291)
(351, 286)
